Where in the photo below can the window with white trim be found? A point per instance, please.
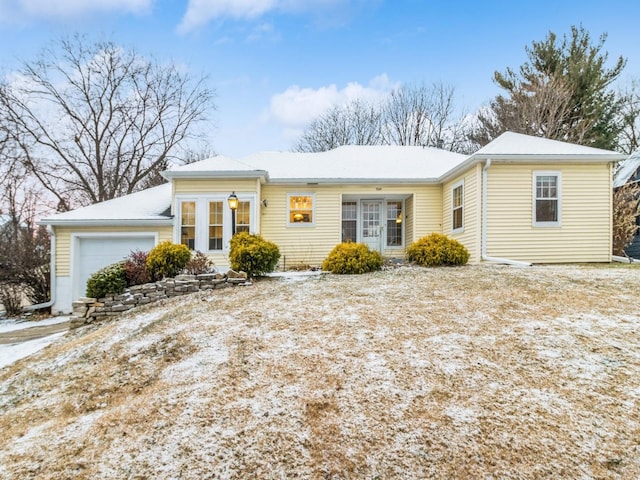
(350, 221)
(216, 225)
(188, 224)
(203, 222)
(546, 199)
(394, 223)
(457, 207)
(243, 217)
(301, 209)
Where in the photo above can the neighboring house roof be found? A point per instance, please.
(346, 164)
(147, 207)
(628, 171)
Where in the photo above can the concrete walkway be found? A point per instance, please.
(32, 333)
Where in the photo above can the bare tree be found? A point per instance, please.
(94, 121)
(625, 213)
(540, 109)
(629, 139)
(411, 115)
(356, 123)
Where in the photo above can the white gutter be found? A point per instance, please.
(52, 286)
(483, 226)
(616, 258)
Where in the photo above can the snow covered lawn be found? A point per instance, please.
(473, 372)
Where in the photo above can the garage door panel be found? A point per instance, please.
(95, 253)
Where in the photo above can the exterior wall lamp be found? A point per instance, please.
(233, 205)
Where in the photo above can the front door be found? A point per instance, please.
(372, 224)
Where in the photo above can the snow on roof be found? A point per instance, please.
(351, 162)
(510, 143)
(147, 205)
(627, 169)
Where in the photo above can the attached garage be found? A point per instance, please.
(97, 251)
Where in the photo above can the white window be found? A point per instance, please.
(394, 223)
(216, 225)
(188, 224)
(349, 221)
(301, 209)
(457, 207)
(203, 222)
(547, 201)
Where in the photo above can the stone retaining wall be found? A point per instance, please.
(86, 310)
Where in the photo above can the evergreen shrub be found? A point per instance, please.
(253, 254)
(437, 249)
(167, 260)
(109, 280)
(352, 258)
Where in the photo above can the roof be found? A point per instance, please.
(627, 170)
(517, 144)
(346, 164)
(150, 207)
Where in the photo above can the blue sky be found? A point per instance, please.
(275, 64)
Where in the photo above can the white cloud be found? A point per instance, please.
(24, 10)
(200, 12)
(296, 107)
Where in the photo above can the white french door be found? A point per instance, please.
(371, 224)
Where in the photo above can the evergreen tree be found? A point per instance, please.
(561, 92)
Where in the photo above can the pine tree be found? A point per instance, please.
(561, 92)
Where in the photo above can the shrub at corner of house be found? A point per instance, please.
(253, 254)
(167, 259)
(352, 258)
(109, 280)
(135, 268)
(198, 263)
(437, 249)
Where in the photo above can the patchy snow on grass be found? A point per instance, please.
(525, 374)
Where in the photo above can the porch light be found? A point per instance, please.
(233, 205)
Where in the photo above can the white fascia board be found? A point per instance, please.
(532, 158)
(351, 181)
(108, 223)
(215, 174)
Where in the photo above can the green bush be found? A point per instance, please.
(110, 280)
(167, 259)
(198, 263)
(437, 249)
(253, 254)
(350, 258)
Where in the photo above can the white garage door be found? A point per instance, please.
(95, 253)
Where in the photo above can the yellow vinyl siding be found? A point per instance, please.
(471, 211)
(302, 244)
(427, 207)
(585, 215)
(409, 220)
(63, 241)
(182, 186)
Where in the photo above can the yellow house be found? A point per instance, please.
(519, 199)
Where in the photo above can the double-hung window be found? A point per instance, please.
(349, 221)
(546, 199)
(301, 209)
(188, 224)
(216, 225)
(457, 208)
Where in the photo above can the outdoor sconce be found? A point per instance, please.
(265, 202)
(233, 205)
